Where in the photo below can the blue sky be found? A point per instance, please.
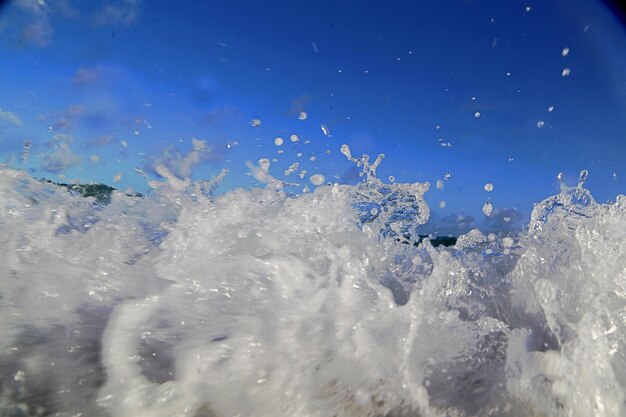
(521, 91)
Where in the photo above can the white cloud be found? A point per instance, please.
(181, 165)
(7, 117)
(37, 29)
(60, 159)
(123, 12)
(29, 22)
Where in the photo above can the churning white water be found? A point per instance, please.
(260, 303)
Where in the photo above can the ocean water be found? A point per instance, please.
(260, 302)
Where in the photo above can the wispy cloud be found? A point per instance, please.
(62, 157)
(29, 22)
(181, 165)
(68, 117)
(124, 12)
(9, 118)
(504, 219)
(37, 29)
(87, 76)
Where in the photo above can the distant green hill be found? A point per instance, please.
(101, 192)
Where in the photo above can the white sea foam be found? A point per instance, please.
(256, 303)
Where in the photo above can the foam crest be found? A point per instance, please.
(259, 303)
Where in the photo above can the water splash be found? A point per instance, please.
(257, 303)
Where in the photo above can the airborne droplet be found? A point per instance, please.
(487, 209)
(583, 177)
(317, 179)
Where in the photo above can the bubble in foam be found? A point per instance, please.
(278, 141)
(488, 187)
(487, 209)
(392, 178)
(294, 138)
(317, 179)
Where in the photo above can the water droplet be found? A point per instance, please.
(565, 72)
(477, 114)
(447, 176)
(584, 174)
(345, 150)
(550, 109)
(392, 178)
(117, 177)
(317, 179)
(264, 164)
(294, 138)
(292, 168)
(528, 9)
(312, 158)
(278, 141)
(488, 187)
(540, 124)
(302, 116)
(487, 209)
(255, 122)
(439, 184)
(325, 130)
(565, 51)
(560, 177)
(442, 204)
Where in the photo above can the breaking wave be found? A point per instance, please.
(261, 303)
